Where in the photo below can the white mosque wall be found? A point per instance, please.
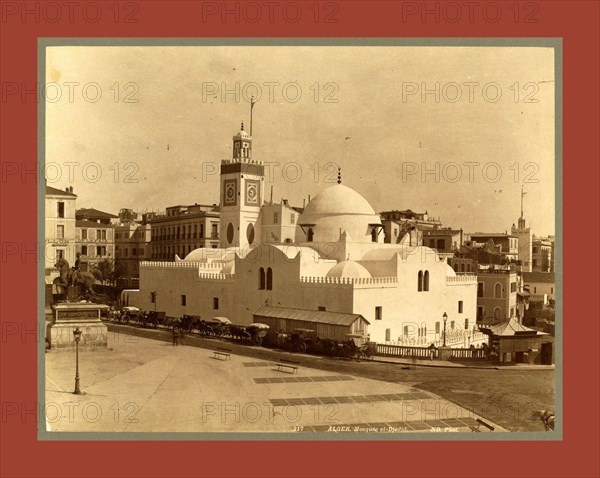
(287, 266)
(200, 288)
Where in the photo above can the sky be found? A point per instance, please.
(146, 127)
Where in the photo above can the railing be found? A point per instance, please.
(385, 350)
(403, 351)
(474, 353)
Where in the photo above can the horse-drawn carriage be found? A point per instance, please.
(299, 340)
(254, 333)
(152, 318)
(188, 323)
(306, 340)
(216, 327)
(129, 314)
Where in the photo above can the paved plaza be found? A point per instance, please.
(146, 385)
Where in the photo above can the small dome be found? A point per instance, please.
(349, 269)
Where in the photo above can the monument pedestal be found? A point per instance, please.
(66, 317)
(445, 353)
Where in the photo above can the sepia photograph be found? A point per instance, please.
(300, 239)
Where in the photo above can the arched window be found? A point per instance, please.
(426, 281)
(309, 234)
(497, 313)
(374, 235)
(261, 279)
(437, 327)
(420, 281)
(498, 291)
(269, 279)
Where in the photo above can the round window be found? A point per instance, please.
(230, 233)
(250, 233)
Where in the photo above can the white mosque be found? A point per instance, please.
(331, 257)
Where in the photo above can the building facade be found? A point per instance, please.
(132, 246)
(182, 229)
(443, 239)
(541, 286)
(505, 244)
(95, 235)
(406, 227)
(541, 250)
(60, 229)
(497, 295)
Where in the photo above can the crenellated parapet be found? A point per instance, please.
(216, 276)
(354, 282)
(462, 280)
(170, 265)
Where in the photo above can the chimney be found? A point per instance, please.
(285, 202)
(303, 203)
(67, 189)
(309, 198)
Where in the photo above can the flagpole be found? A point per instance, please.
(251, 107)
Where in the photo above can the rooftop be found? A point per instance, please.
(547, 277)
(319, 316)
(87, 213)
(94, 224)
(58, 192)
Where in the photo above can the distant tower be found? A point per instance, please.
(525, 237)
(242, 188)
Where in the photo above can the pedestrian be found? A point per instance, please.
(431, 351)
(175, 335)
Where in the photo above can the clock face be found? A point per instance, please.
(230, 193)
(252, 192)
(252, 195)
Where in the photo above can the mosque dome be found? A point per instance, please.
(349, 269)
(338, 199)
(335, 210)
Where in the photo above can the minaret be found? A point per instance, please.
(525, 238)
(242, 189)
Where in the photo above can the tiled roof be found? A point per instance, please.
(319, 316)
(510, 328)
(91, 212)
(58, 192)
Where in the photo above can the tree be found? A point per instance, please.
(119, 271)
(104, 270)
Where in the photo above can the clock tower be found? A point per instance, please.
(242, 188)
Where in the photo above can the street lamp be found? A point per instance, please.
(445, 317)
(77, 336)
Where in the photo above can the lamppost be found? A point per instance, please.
(77, 335)
(445, 317)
